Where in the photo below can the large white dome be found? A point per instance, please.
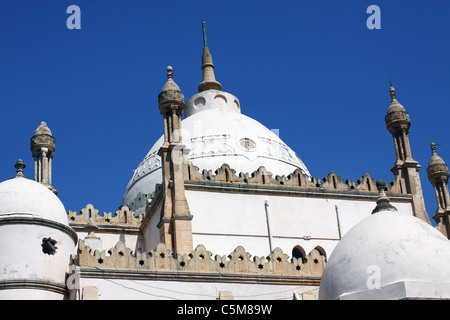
(216, 133)
(389, 255)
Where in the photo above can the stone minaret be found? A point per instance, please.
(406, 169)
(175, 225)
(42, 148)
(438, 174)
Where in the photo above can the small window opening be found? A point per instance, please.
(49, 246)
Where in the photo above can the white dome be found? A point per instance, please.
(389, 255)
(216, 133)
(22, 196)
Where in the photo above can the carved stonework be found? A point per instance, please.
(45, 140)
(200, 260)
(297, 179)
(122, 217)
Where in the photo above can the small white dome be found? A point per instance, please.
(216, 133)
(24, 196)
(389, 255)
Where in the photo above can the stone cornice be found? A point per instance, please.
(36, 284)
(25, 219)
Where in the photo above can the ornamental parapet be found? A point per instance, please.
(297, 180)
(200, 260)
(122, 219)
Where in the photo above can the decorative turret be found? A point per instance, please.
(438, 175)
(209, 80)
(406, 169)
(175, 224)
(170, 92)
(437, 169)
(396, 118)
(171, 106)
(42, 148)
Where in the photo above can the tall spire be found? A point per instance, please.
(209, 80)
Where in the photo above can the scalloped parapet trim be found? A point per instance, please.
(297, 179)
(200, 260)
(122, 217)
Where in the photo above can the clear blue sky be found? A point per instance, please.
(311, 69)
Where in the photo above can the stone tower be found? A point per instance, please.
(438, 174)
(175, 224)
(42, 148)
(406, 169)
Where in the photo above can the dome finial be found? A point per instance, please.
(433, 148)
(383, 202)
(209, 79)
(169, 72)
(19, 166)
(392, 91)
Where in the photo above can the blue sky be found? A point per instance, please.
(313, 70)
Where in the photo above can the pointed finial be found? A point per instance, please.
(392, 92)
(209, 79)
(19, 166)
(205, 44)
(169, 72)
(433, 148)
(383, 201)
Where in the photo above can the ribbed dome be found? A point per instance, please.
(396, 114)
(21, 196)
(410, 257)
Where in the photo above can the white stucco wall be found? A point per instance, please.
(222, 221)
(109, 240)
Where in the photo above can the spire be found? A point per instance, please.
(383, 202)
(209, 80)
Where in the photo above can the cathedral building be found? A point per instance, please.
(222, 208)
